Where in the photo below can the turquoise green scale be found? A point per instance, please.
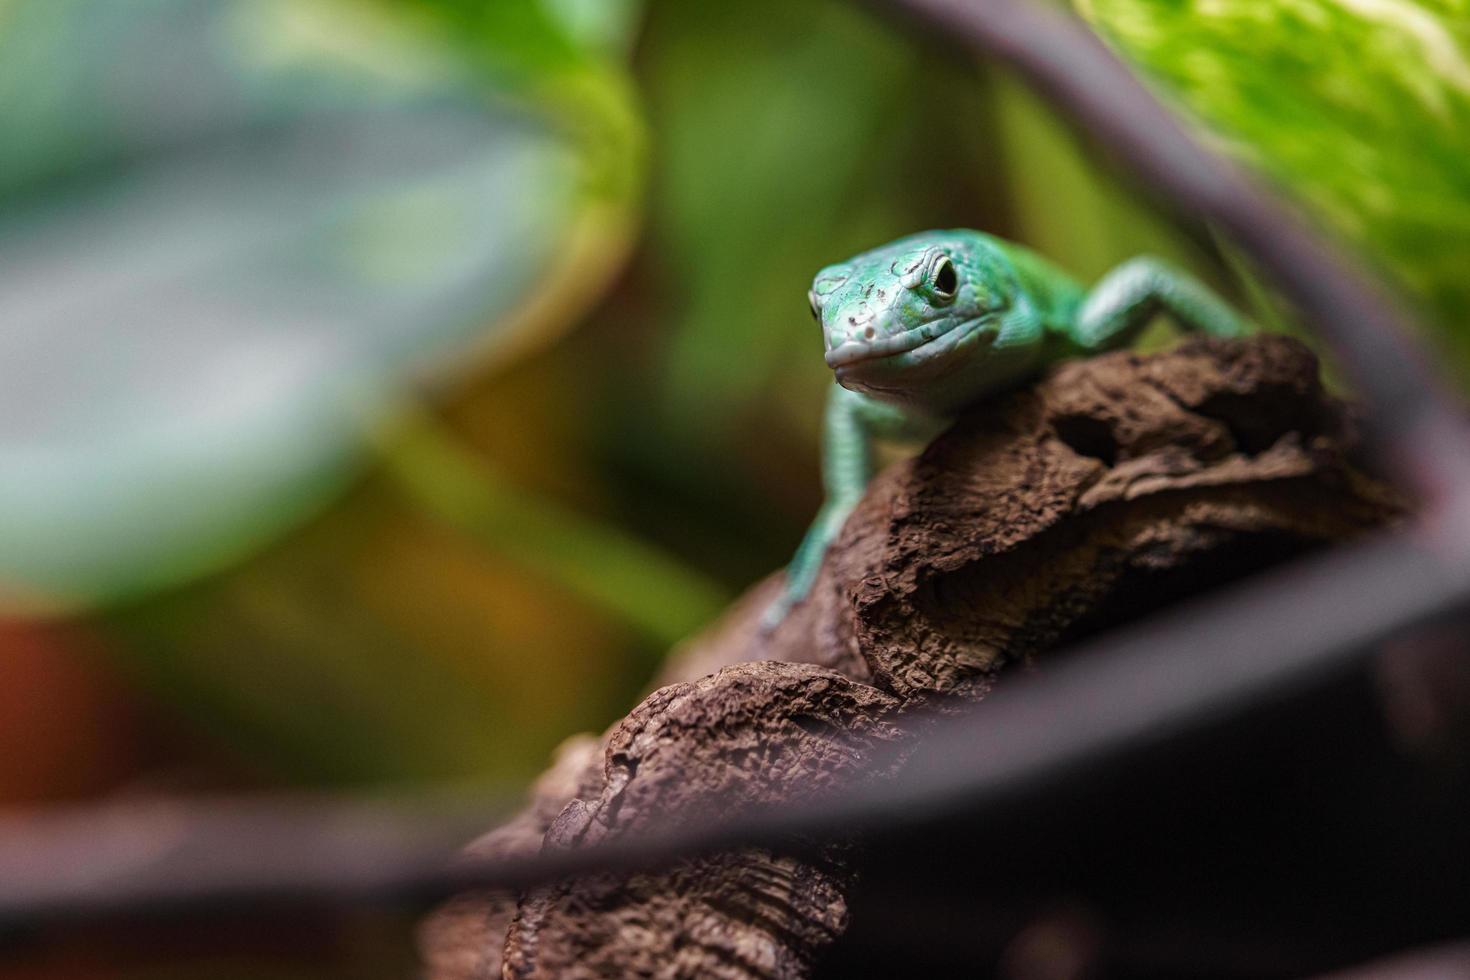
(916, 329)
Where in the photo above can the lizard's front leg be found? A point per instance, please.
(1122, 302)
(849, 423)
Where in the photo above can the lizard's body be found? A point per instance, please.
(918, 328)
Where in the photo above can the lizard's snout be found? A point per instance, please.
(859, 329)
(866, 338)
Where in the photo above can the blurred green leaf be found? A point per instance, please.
(1360, 108)
(231, 232)
(568, 57)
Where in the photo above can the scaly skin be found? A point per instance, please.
(920, 327)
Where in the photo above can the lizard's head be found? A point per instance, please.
(902, 315)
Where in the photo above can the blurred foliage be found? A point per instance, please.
(454, 543)
(537, 528)
(1358, 108)
(235, 236)
(231, 231)
(490, 587)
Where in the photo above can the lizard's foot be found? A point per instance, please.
(777, 611)
(801, 574)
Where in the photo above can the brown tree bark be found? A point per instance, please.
(1108, 488)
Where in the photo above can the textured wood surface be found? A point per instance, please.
(1110, 487)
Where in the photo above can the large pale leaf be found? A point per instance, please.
(230, 231)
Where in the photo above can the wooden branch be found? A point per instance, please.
(1112, 486)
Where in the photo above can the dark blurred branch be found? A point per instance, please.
(171, 857)
(1439, 963)
(1415, 424)
(1144, 686)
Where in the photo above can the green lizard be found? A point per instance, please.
(920, 327)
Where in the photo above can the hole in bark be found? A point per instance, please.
(818, 727)
(1257, 421)
(1088, 436)
(1052, 601)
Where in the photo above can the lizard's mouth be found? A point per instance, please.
(852, 351)
(921, 344)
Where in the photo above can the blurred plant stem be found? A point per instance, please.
(603, 566)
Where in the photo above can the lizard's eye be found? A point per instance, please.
(946, 279)
(811, 298)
